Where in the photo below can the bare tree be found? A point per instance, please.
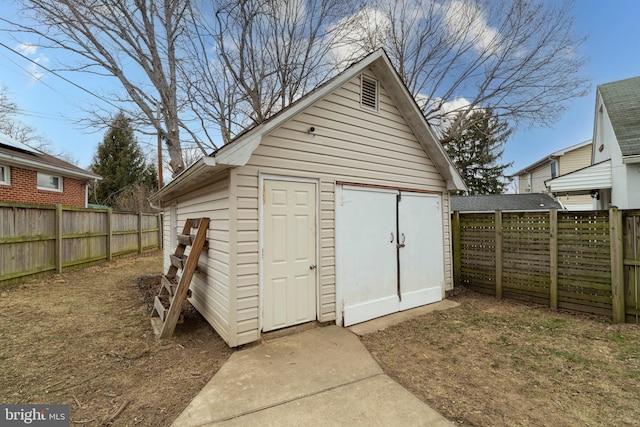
(10, 125)
(218, 64)
(132, 41)
(517, 58)
(266, 55)
(13, 127)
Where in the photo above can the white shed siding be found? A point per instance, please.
(211, 285)
(246, 300)
(349, 144)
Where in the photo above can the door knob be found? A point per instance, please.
(312, 267)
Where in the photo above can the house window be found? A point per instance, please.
(369, 93)
(49, 182)
(5, 175)
(554, 169)
(528, 189)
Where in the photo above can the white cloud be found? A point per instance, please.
(466, 22)
(27, 49)
(35, 72)
(359, 34)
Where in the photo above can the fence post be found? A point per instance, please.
(58, 250)
(553, 259)
(617, 266)
(455, 237)
(498, 227)
(160, 231)
(140, 232)
(109, 235)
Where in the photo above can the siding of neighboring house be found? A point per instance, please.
(211, 284)
(567, 162)
(572, 161)
(538, 176)
(23, 188)
(350, 144)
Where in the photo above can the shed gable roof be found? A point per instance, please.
(239, 151)
(622, 100)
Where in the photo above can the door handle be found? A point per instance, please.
(312, 267)
(392, 237)
(401, 244)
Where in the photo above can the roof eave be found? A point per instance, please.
(197, 172)
(32, 164)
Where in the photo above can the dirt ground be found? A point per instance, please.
(84, 339)
(501, 363)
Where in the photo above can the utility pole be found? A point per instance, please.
(158, 128)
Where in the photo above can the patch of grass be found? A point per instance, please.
(507, 363)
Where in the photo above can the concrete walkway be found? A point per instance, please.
(323, 376)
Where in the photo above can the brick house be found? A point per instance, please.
(31, 176)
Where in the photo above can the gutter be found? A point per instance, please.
(190, 172)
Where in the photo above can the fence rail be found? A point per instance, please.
(585, 261)
(38, 239)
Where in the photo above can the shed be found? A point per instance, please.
(336, 209)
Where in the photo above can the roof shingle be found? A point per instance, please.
(622, 100)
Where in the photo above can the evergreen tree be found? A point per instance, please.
(121, 163)
(476, 151)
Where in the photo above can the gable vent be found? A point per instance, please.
(369, 95)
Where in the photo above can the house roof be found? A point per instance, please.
(551, 156)
(238, 151)
(15, 153)
(622, 100)
(583, 181)
(504, 202)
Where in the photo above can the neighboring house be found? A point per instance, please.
(613, 179)
(531, 179)
(504, 202)
(31, 176)
(336, 209)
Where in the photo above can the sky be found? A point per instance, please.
(49, 104)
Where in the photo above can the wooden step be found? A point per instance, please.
(172, 284)
(162, 304)
(178, 261)
(185, 239)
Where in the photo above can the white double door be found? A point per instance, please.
(389, 251)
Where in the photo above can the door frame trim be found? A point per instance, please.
(271, 177)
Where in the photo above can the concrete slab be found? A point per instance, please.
(323, 376)
(381, 323)
(375, 401)
(280, 371)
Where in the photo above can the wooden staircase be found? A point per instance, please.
(175, 288)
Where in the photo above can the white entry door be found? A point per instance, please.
(289, 253)
(389, 251)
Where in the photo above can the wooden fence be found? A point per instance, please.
(38, 239)
(585, 261)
